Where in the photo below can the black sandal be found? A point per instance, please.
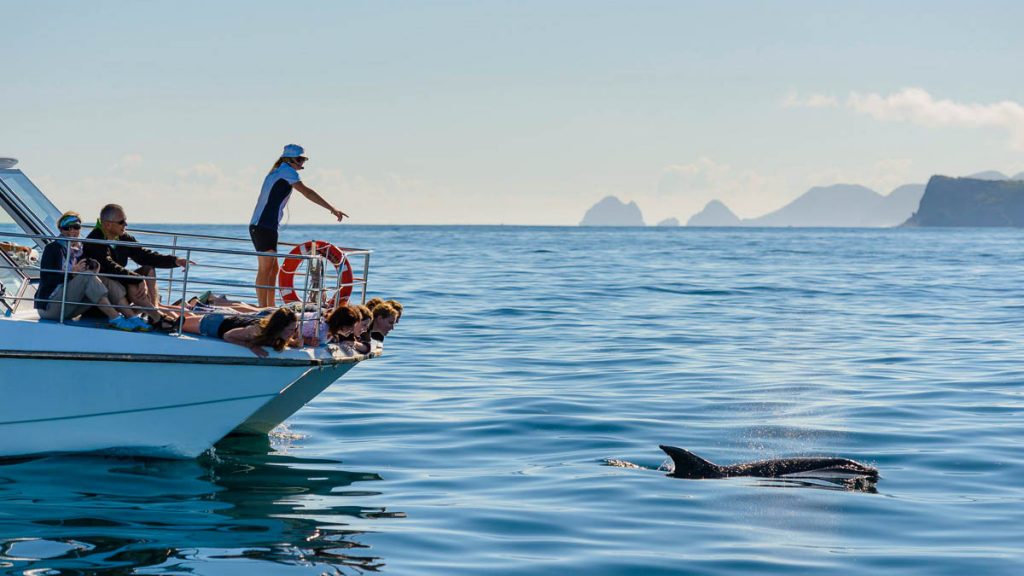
(165, 324)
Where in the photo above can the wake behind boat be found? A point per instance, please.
(75, 385)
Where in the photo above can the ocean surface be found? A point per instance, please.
(528, 358)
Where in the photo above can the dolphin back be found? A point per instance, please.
(813, 466)
(689, 465)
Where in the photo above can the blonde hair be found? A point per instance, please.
(384, 309)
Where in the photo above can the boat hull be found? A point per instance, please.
(172, 409)
(292, 398)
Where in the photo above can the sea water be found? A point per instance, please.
(529, 357)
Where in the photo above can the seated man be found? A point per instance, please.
(140, 284)
(84, 288)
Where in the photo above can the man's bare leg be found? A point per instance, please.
(138, 294)
(150, 279)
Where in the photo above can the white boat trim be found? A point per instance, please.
(166, 358)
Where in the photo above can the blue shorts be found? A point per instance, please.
(209, 325)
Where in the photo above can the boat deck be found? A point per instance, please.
(86, 338)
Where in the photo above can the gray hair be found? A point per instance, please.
(109, 211)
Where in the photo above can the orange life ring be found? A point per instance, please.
(334, 255)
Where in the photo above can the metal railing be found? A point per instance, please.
(319, 288)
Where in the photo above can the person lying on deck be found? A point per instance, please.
(384, 317)
(343, 324)
(365, 318)
(373, 302)
(278, 330)
(12, 248)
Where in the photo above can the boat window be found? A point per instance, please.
(7, 223)
(31, 197)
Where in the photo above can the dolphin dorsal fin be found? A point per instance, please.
(689, 465)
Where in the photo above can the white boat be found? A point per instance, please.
(77, 386)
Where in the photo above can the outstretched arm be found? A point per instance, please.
(318, 200)
(244, 337)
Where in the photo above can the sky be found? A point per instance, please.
(495, 112)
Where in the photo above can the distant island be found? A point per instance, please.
(611, 211)
(988, 198)
(714, 214)
(970, 202)
(845, 205)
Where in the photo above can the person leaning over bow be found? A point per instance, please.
(84, 288)
(140, 284)
(13, 248)
(266, 218)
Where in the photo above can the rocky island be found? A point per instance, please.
(970, 202)
(611, 211)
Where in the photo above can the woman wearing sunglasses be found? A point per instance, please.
(266, 218)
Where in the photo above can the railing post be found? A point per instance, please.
(366, 274)
(170, 277)
(184, 290)
(319, 303)
(305, 293)
(67, 270)
(336, 299)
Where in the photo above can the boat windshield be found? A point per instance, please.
(32, 198)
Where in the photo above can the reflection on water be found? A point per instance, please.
(824, 481)
(73, 515)
(866, 484)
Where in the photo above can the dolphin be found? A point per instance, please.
(689, 465)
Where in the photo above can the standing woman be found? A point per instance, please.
(266, 219)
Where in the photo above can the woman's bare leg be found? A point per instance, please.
(266, 275)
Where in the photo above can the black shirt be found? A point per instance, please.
(232, 322)
(113, 259)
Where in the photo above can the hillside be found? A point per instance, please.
(970, 202)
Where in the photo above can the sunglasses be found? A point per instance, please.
(72, 227)
(122, 222)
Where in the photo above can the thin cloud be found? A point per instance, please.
(917, 106)
(793, 100)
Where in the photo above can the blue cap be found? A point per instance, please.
(67, 220)
(293, 151)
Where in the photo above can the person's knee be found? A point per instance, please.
(115, 291)
(137, 292)
(146, 271)
(94, 288)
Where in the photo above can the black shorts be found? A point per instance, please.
(264, 239)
